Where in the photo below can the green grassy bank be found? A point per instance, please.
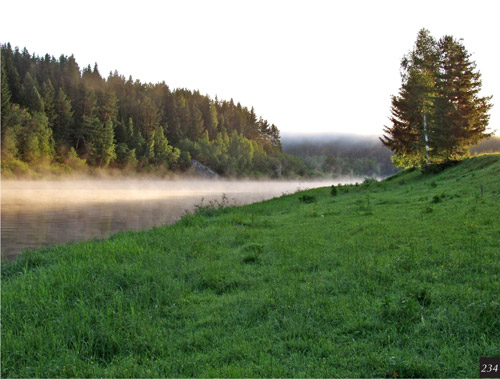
(392, 279)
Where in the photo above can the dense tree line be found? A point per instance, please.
(56, 115)
(331, 155)
(438, 113)
(489, 146)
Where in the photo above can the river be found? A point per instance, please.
(46, 213)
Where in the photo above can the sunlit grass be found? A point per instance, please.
(379, 280)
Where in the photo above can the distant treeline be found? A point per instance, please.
(341, 155)
(60, 118)
(332, 155)
(491, 145)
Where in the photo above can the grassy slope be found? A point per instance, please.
(398, 278)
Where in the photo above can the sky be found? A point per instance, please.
(306, 66)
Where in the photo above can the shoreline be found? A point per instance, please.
(372, 279)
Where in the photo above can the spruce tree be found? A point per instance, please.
(106, 146)
(163, 152)
(412, 107)
(460, 115)
(63, 120)
(13, 77)
(48, 97)
(99, 141)
(5, 95)
(150, 117)
(437, 114)
(196, 129)
(30, 97)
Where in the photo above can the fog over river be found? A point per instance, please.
(46, 213)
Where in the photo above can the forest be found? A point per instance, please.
(330, 155)
(334, 155)
(59, 119)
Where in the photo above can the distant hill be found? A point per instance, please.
(491, 145)
(350, 154)
(340, 154)
(58, 118)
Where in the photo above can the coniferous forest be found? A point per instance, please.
(58, 118)
(341, 155)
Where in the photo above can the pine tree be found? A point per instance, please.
(34, 137)
(411, 109)
(13, 77)
(437, 114)
(105, 146)
(63, 121)
(163, 152)
(214, 122)
(5, 95)
(30, 97)
(196, 129)
(86, 123)
(108, 107)
(129, 135)
(48, 97)
(460, 116)
(150, 117)
(71, 78)
(99, 141)
(410, 115)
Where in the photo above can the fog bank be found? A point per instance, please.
(27, 194)
(45, 213)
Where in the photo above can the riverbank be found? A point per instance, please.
(397, 278)
(46, 213)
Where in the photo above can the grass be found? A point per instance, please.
(391, 279)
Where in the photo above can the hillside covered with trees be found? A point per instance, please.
(332, 155)
(59, 118)
(335, 155)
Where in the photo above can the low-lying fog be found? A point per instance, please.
(45, 213)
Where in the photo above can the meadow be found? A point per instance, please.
(397, 278)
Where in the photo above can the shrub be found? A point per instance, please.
(307, 199)
(212, 208)
(369, 181)
(436, 199)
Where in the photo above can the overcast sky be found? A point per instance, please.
(306, 66)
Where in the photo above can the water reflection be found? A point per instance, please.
(45, 227)
(38, 214)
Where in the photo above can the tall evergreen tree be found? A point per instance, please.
(33, 137)
(412, 108)
(437, 114)
(63, 120)
(5, 94)
(99, 141)
(461, 115)
(48, 96)
(30, 96)
(105, 146)
(13, 77)
(196, 129)
(163, 152)
(150, 117)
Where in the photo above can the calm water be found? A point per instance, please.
(46, 213)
